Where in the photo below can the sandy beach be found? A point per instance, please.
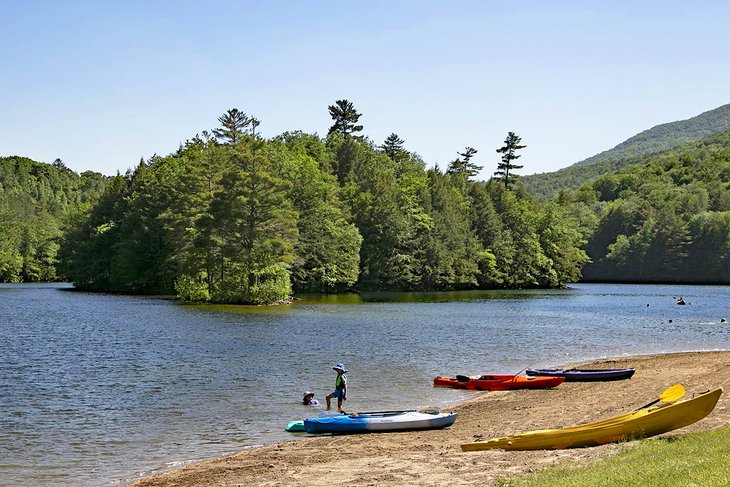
(433, 458)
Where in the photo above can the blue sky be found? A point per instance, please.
(101, 83)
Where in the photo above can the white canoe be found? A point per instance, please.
(379, 421)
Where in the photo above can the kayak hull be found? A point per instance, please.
(379, 422)
(497, 382)
(295, 426)
(637, 424)
(584, 375)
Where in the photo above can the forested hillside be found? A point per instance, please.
(36, 202)
(657, 139)
(233, 217)
(664, 219)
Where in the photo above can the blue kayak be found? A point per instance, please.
(297, 426)
(379, 422)
(584, 375)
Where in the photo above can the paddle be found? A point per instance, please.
(674, 393)
(525, 369)
(382, 412)
(466, 378)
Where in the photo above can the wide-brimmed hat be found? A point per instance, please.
(340, 366)
(308, 393)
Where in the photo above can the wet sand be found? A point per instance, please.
(434, 458)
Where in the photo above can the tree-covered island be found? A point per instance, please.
(234, 217)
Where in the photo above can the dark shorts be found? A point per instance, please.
(338, 393)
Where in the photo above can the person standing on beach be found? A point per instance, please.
(340, 391)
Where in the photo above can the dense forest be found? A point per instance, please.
(664, 219)
(660, 138)
(234, 217)
(38, 202)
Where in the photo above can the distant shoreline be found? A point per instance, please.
(365, 296)
(362, 296)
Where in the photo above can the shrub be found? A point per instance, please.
(266, 286)
(189, 288)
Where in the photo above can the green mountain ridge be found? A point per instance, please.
(656, 139)
(663, 218)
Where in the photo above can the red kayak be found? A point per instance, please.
(491, 382)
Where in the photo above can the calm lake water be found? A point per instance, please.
(102, 389)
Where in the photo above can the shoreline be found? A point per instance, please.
(433, 457)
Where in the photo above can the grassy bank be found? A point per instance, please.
(699, 459)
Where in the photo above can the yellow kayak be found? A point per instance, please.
(638, 424)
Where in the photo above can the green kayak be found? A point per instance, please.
(295, 426)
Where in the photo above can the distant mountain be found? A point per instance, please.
(664, 218)
(656, 139)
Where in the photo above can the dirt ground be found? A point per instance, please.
(434, 458)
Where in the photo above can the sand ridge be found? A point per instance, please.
(434, 458)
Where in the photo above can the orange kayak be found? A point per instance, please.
(489, 382)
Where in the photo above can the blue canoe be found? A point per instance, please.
(584, 375)
(379, 422)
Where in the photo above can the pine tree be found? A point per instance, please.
(58, 164)
(255, 122)
(233, 126)
(346, 117)
(393, 148)
(463, 164)
(196, 248)
(256, 226)
(506, 167)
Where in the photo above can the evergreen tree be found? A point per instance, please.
(346, 117)
(196, 250)
(393, 148)
(463, 165)
(347, 148)
(256, 226)
(58, 164)
(233, 126)
(507, 166)
(255, 122)
(140, 260)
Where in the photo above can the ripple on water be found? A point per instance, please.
(98, 389)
